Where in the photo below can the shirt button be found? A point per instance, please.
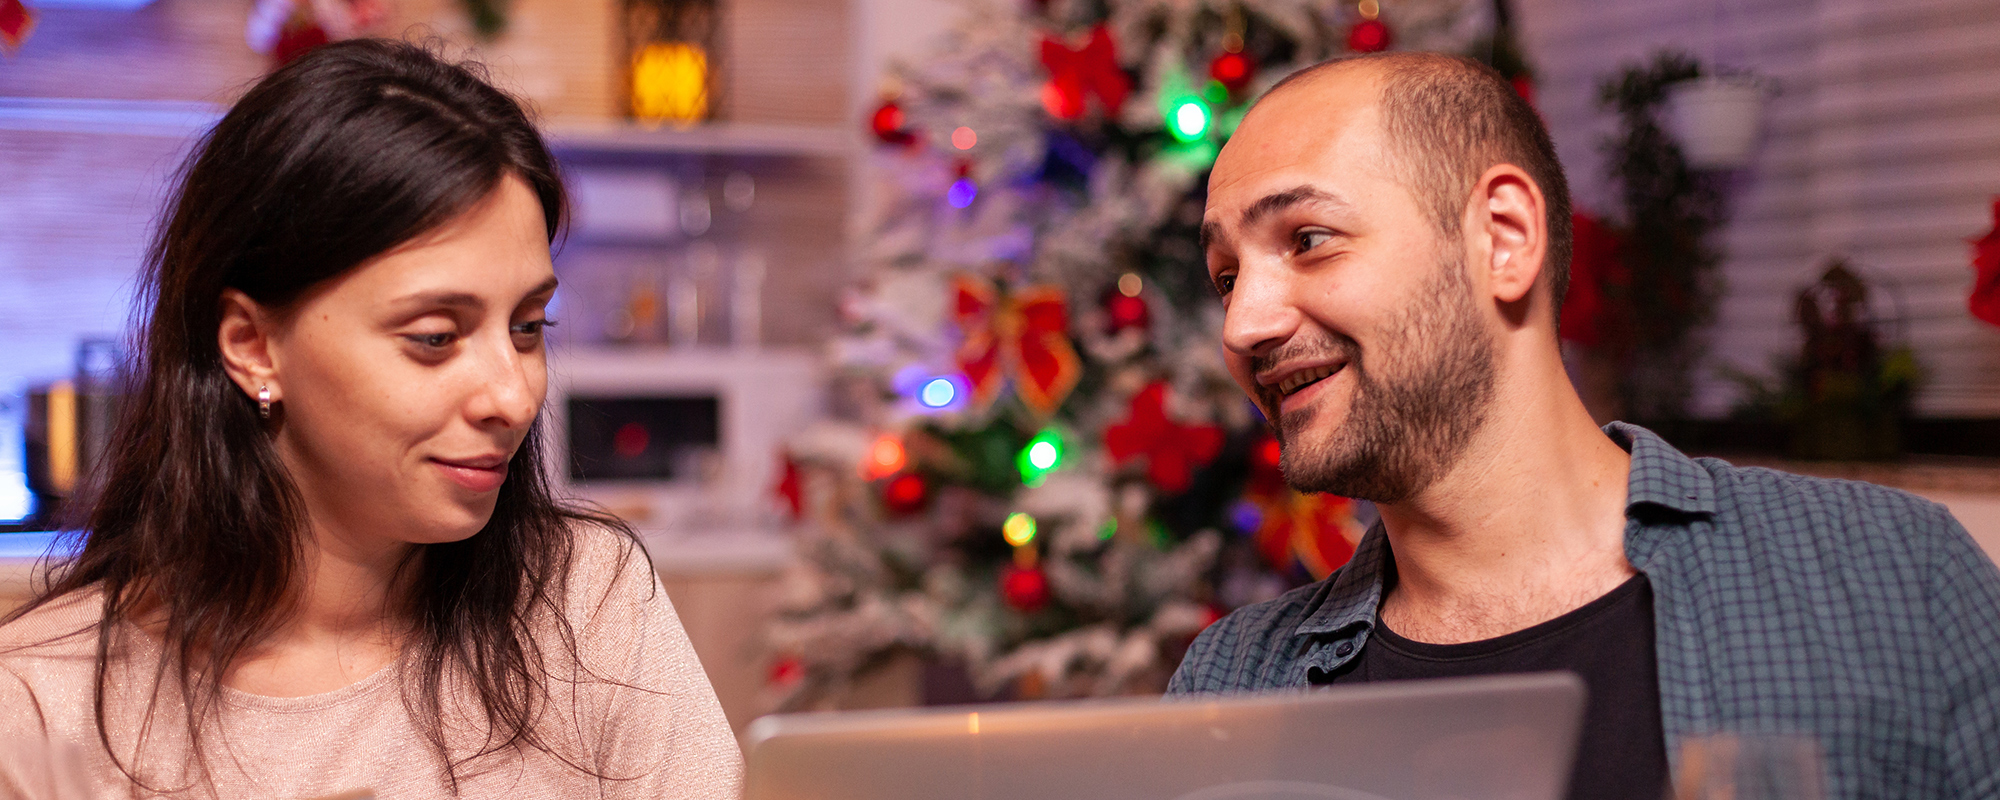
(1344, 649)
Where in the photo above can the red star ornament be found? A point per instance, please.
(1023, 335)
(1077, 73)
(1984, 302)
(16, 22)
(1172, 450)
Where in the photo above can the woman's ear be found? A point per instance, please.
(244, 337)
(1509, 212)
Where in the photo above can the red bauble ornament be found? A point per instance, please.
(1024, 588)
(1368, 36)
(1122, 311)
(905, 494)
(888, 124)
(1232, 70)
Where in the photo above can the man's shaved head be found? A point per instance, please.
(1447, 119)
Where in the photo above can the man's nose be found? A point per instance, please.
(1261, 314)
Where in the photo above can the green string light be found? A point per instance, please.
(1042, 455)
(1189, 119)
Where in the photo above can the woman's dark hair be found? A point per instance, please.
(338, 157)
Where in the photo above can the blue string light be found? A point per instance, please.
(961, 193)
(938, 393)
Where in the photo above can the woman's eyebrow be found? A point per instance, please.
(447, 299)
(545, 287)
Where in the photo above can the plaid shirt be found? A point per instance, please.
(1863, 616)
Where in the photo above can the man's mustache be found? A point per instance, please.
(1317, 345)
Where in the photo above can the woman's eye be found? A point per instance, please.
(533, 327)
(1308, 240)
(434, 341)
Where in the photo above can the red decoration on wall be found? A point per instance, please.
(1022, 335)
(1525, 87)
(1172, 450)
(1368, 36)
(16, 22)
(1232, 70)
(786, 671)
(1984, 301)
(791, 488)
(1593, 264)
(1077, 73)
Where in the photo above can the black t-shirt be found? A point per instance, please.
(1608, 642)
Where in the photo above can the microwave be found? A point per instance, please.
(679, 441)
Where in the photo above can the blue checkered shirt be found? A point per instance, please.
(1862, 616)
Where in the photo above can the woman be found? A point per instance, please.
(323, 556)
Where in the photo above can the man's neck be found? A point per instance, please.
(1527, 526)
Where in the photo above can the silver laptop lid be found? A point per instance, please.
(1506, 737)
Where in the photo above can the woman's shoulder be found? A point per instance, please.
(48, 657)
(62, 626)
(608, 568)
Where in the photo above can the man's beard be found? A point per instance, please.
(1404, 429)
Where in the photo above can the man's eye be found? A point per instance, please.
(1225, 283)
(1308, 240)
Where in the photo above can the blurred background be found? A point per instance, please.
(884, 320)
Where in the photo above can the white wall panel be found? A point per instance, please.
(1882, 145)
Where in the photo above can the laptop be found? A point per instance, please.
(1509, 737)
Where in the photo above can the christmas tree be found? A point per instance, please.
(1036, 461)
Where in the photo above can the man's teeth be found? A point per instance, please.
(1300, 379)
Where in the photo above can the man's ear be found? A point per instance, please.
(244, 337)
(1509, 214)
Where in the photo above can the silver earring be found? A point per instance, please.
(264, 401)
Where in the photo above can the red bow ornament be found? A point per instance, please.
(1985, 299)
(1023, 335)
(1172, 450)
(1075, 73)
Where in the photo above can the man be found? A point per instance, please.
(1390, 237)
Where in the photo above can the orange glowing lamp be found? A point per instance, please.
(670, 83)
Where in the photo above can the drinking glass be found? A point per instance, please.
(1750, 766)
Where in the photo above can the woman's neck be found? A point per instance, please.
(348, 618)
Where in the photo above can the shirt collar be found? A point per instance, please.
(1354, 592)
(1660, 476)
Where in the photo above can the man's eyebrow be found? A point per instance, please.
(1272, 203)
(1210, 234)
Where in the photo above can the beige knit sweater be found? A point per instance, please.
(652, 724)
